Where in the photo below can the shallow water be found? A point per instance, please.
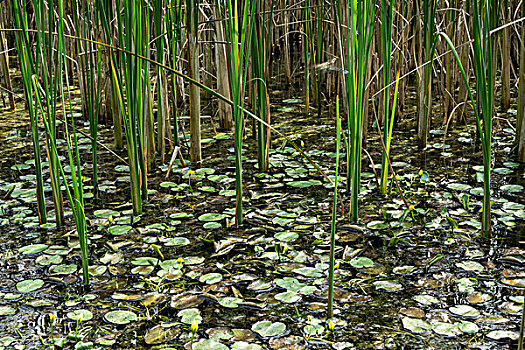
(424, 285)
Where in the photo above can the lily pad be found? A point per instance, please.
(211, 217)
(33, 249)
(211, 278)
(6, 310)
(84, 315)
(288, 297)
(268, 328)
(28, 286)
(118, 230)
(415, 325)
(465, 311)
(120, 317)
(361, 262)
(209, 344)
(230, 302)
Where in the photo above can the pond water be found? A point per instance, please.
(418, 279)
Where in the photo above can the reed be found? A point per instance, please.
(387, 22)
(240, 38)
(330, 312)
(49, 69)
(483, 71)
(27, 68)
(89, 76)
(260, 61)
(355, 57)
(428, 42)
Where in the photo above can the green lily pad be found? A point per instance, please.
(242, 345)
(212, 225)
(415, 325)
(459, 187)
(288, 297)
(361, 262)
(85, 315)
(377, 225)
(189, 315)
(33, 249)
(145, 261)
(470, 265)
(120, 317)
(28, 286)
(389, 286)
(211, 278)
(229, 302)
(117, 230)
(286, 236)
(106, 213)
(300, 184)
(176, 241)
(503, 335)
(289, 283)
(211, 217)
(209, 344)
(512, 188)
(446, 329)
(465, 311)
(6, 310)
(159, 335)
(426, 299)
(63, 269)
(268, 328)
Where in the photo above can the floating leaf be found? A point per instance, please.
(288, 297)
(28, 286)
(120, 317)
(241, 345)
(415, 325)
(145, 261)
(230, 302)
(33, 249)
(209, 344)
(6, 310)
(268, 328)
(361, 262)
(211, 278)
(85, 315)
(512, 188)
(211, 217)
(117, 230)
(389, 286)
(377, 225)
(189, 315)
(159, 335)
(503, 335)
(465, 311)
(470, 265)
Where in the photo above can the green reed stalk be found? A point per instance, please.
(483, 71)
(360, 16)
(387, 23)
(27, 68)
(240, 37)
(330, 312)
(425, 82)
(159, 20)
(318, 48)
(175, 34)
(89, 59)
(49, 69)
(77, 199)
(260, 55)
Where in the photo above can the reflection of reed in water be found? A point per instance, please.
(329, 66)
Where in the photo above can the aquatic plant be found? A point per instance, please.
(483, 71)
(355, 32)
(330, 312)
